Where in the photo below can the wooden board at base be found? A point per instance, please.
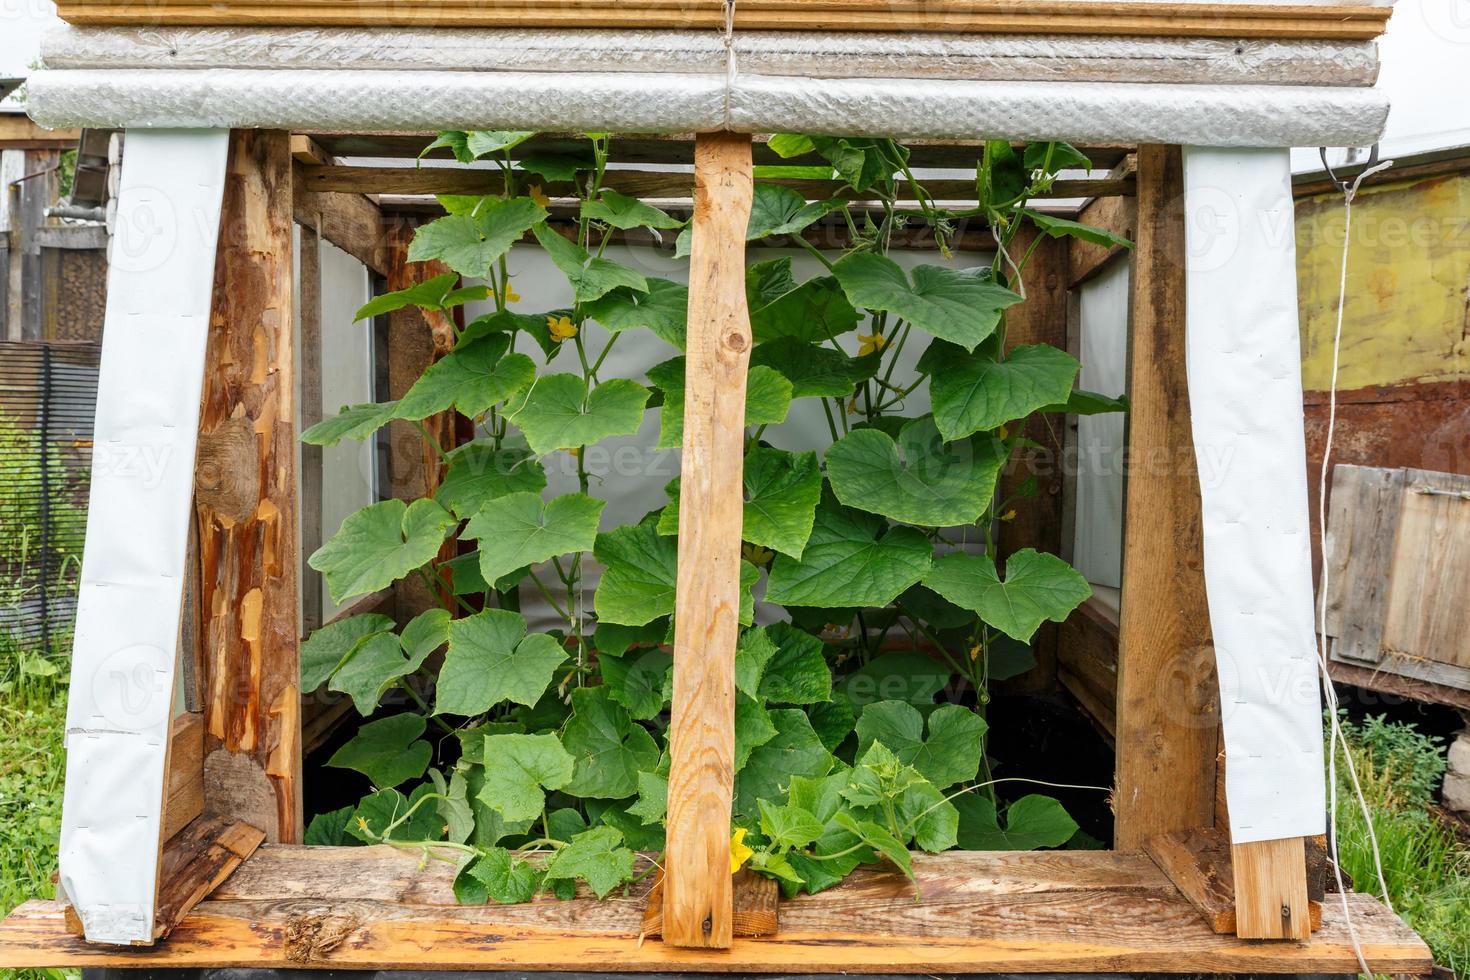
(371, 908)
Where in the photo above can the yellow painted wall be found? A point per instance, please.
(1406, 319)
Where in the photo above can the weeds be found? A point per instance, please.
(1426, 870)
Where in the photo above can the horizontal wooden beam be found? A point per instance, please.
(1109, 17)
(666, 148)
(17, 132)
(641, 183)
(348, 220)
(383, 909)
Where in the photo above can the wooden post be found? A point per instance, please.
(1042, 319)
(245, 489)
(309, 299)
(697, 889)
(1168, 709)
(1271, 900)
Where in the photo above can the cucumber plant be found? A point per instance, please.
(538, 760)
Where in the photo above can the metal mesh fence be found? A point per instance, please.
(48, 396)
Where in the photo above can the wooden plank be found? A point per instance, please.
(18, 132)
(643, 183)
(309, 318)
(666, 149)
(1363, 518)
(184, 796)
(754, 902)
(1055, 911)
(1167, 708)
(1036, 521)
(1271, 889)
(196, 862)
(1087, 663)
(249, 621)
(1118, 215)
(1427, 617)
(1200, 865)
(697, 895)
(1399, 686)
(1127, 17)
(349, 221)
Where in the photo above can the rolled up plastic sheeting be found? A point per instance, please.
(159, 284)
(1245, 392)
(984, 57)
(1079, 112)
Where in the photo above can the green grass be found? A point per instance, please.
(1426, 869)
(32, 722)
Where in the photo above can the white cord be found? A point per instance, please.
(729, 58)
(1330, 694)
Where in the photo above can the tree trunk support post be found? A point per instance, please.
(245, 501)
(1168, 699)
(697, 910)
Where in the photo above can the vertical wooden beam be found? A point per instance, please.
(1042, 319)
(245, 497)
(309, 303)
(1271, 899)
(1167, 698)
(415, 340)
(697, 888)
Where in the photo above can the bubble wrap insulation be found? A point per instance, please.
(804, 53)
(1079, 112)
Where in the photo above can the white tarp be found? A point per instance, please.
(159, 283)
(1245, 394)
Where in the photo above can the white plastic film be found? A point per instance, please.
(159, 283)
(1079, 112)
(1245, 394)
(986, 57)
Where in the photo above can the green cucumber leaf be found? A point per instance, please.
(1031, 822)
(470, 243)
(521, 529)
(557, 412)
(518, 771)
(590, 277)
(491, 660)
(1037, 587)
(961, 306)
(781, 494)
(608, 747)
(975, 393)
(852, 559)
(947, 753)
(380, 544)
(472, 378)
(387, 751)
(663, 309)
(918, 478)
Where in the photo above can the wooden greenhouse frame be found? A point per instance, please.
(236, 887)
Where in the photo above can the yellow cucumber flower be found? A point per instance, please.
(756, 555)
(870, 342)
(539, 196)
(561, 328)
(511, 296)
(739, 852)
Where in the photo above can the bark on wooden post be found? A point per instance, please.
(245, 487)
(1168, 710)
(697, 889)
